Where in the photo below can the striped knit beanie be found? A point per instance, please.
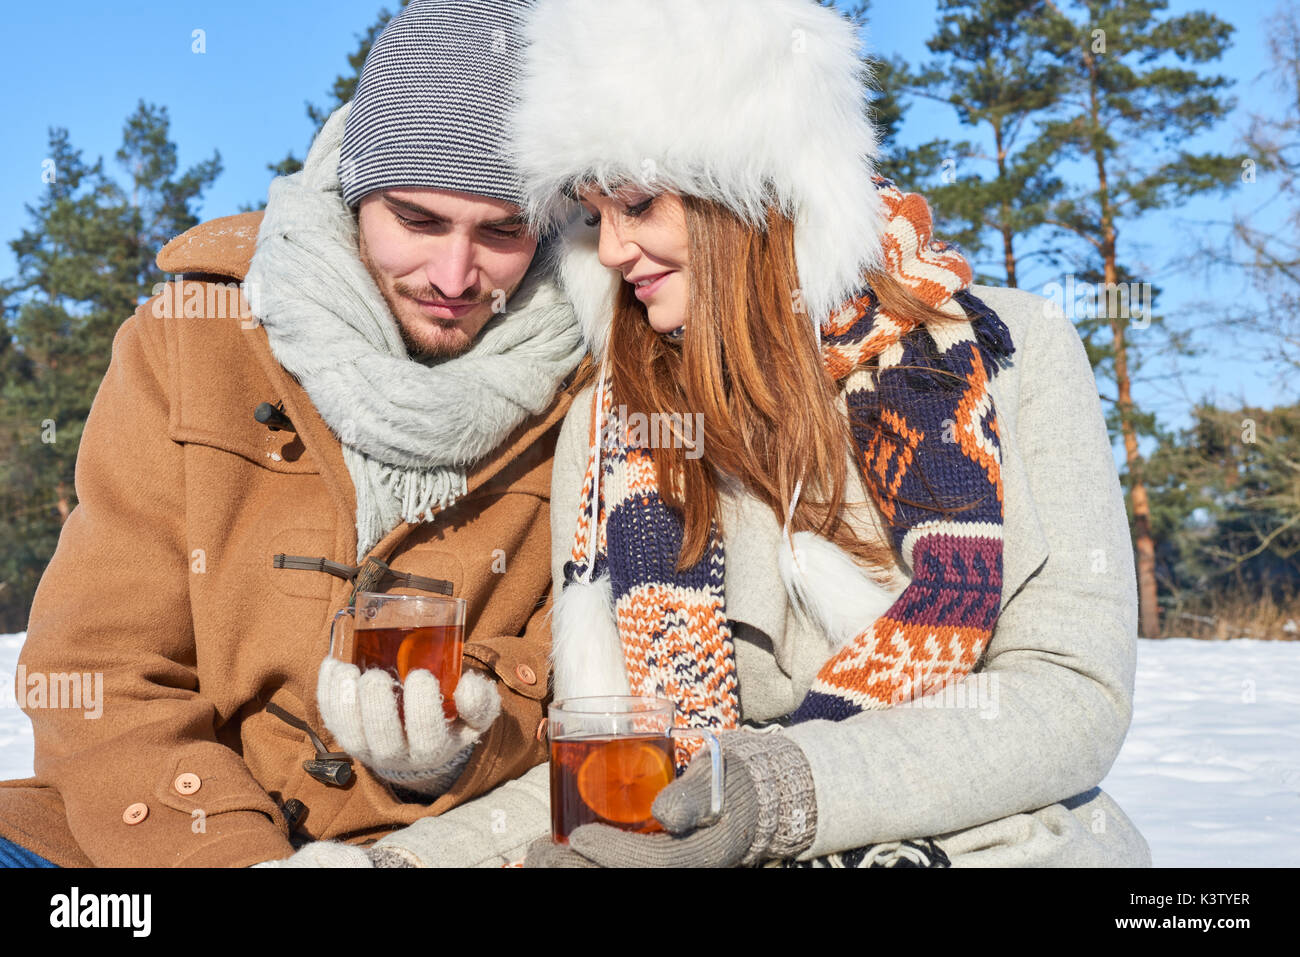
(432, 99)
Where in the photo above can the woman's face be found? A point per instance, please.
(643, 236)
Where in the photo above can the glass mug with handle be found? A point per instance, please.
(610, 758)
(404, 633)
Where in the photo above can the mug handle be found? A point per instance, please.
(715, 771)
(333, 623)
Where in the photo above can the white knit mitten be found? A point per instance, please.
(428, 754)
(324, 854)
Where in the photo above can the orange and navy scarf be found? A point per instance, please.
(926, 435)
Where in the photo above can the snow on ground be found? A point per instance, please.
(15, 729)
(1210, 771)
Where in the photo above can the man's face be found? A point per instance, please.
(443, 261)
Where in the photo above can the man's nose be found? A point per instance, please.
(452, 267)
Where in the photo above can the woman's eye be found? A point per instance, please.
(634, 211)
(410, 223)
(507, 233)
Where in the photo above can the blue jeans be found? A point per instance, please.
(11, 855)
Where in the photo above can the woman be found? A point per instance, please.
(892, 568)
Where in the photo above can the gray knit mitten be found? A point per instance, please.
(544, 852)
(769, 812)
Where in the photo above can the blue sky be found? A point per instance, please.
(85, 65)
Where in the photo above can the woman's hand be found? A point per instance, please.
(428, 754)
(769, 811)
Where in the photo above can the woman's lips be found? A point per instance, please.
(645, 292)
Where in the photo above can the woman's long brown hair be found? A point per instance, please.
(750, 363)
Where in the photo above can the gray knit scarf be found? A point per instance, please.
(410, 428)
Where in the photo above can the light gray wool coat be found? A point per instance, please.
(1006, 775)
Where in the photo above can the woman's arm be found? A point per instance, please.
(490, 831)
(1046, 716)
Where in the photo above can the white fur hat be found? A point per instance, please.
(750, 103)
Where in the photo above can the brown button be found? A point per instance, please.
(187, 783)
(526, 675)
(541, 730)
(136, 813)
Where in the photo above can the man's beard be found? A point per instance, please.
(423, 350)
(398, 297)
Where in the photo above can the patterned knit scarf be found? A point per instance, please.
(927, 440)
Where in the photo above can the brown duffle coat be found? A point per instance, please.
(164, 583)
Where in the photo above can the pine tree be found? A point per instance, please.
(1268, 236)
(84, 264)
(52, 336)
(1132, 75)
(160, 199)
(996, 75)
(1225, 494)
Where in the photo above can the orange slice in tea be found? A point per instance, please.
(405, 652)
(620, 780)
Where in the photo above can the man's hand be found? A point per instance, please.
(428, 754)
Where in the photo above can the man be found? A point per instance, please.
(382, 420)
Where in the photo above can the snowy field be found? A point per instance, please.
(1210, 772)
(15, 729)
